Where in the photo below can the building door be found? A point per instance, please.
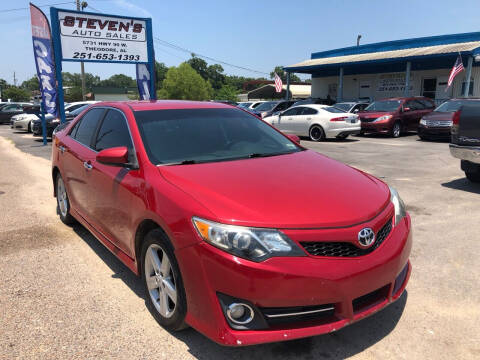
(364, 90)
(429, 87)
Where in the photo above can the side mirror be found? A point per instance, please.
(116, 156)
(294, 138)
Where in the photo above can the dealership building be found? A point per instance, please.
(411, 67)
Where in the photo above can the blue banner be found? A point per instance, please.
(43, 54)
(143, 82)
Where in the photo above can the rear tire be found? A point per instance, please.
(164, 292)
(473, 176)
(423, 138)
(396, 129)
(29, 127)
(63, 203)
(316, 133)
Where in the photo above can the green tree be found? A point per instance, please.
(31, 84)
(160, 73)
(227, 92)
(199, 65)
(184, 83)
(119, 81)
(73, 94)
(283, 75)
(75, 79)
(215, 76)
(16, 94)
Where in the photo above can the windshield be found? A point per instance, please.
(451, 106)
(384, 105)
(343, 106)
(188, 136)
(266, 106)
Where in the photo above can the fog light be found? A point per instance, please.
(240, 313)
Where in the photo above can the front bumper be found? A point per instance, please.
(469, 153)
(382, 127)
(434, 132)
(293, 282)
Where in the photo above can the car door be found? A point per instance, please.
(303, 122)
(417, 113)
(115, 190)
(409, 114)
(287, 119)
(77, 155)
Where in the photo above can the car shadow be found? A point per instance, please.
(433, 140)
(463, 184)
(120, 271)
(40, 139)
(335, 140)
(384, 136)
(344, 343)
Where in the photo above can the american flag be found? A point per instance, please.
(457, 68)
(278, 84)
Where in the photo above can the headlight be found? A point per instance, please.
(423, 122)
(400, 211)
(382, 118)
(254, 244)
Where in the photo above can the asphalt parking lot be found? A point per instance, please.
(65, 296)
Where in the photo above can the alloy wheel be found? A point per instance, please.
(160, 280)
(316, 133)
(62, 198)
(396, 129)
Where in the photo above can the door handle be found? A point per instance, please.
(309, 118)
(87, 165)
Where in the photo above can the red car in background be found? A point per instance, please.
(395, 115)
(235, 229)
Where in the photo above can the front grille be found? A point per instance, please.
(346, 249)
(438, 123)
(367, 120)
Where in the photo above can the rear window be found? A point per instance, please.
(332, 109)
(207, 135)
(343, 106)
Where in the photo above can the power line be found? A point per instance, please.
(179, 48)
(27, 8)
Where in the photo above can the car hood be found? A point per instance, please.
(373, 114)
(439, 116)
(299, 190)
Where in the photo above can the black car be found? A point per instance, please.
(52, 122)
(10, 109)
(272, 107)
(465, 140)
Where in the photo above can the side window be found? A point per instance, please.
(411, 105)
(113, 132)
(87, 126)
(292, 112)
(309, 111)
(428, 104)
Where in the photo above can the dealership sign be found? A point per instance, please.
(392, 83)
(96, 37)
(91, 37)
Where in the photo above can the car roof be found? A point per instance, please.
(144, 105)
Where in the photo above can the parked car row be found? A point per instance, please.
(29, 118)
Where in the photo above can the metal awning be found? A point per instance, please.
(402, 54)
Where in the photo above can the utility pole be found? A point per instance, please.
(14, 79)
(82, 6)
(358, 39)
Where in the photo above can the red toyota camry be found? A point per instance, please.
(234, 228)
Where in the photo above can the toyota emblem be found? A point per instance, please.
(366, 237)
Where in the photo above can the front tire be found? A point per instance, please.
(396, 129)
(164, 291)
(316, 133)
(63, 203)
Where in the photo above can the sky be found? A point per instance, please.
(255, 34)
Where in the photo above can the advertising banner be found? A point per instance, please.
(143, 82)
(95, 37)
(43, 54)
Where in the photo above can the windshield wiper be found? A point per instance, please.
(257, 155)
